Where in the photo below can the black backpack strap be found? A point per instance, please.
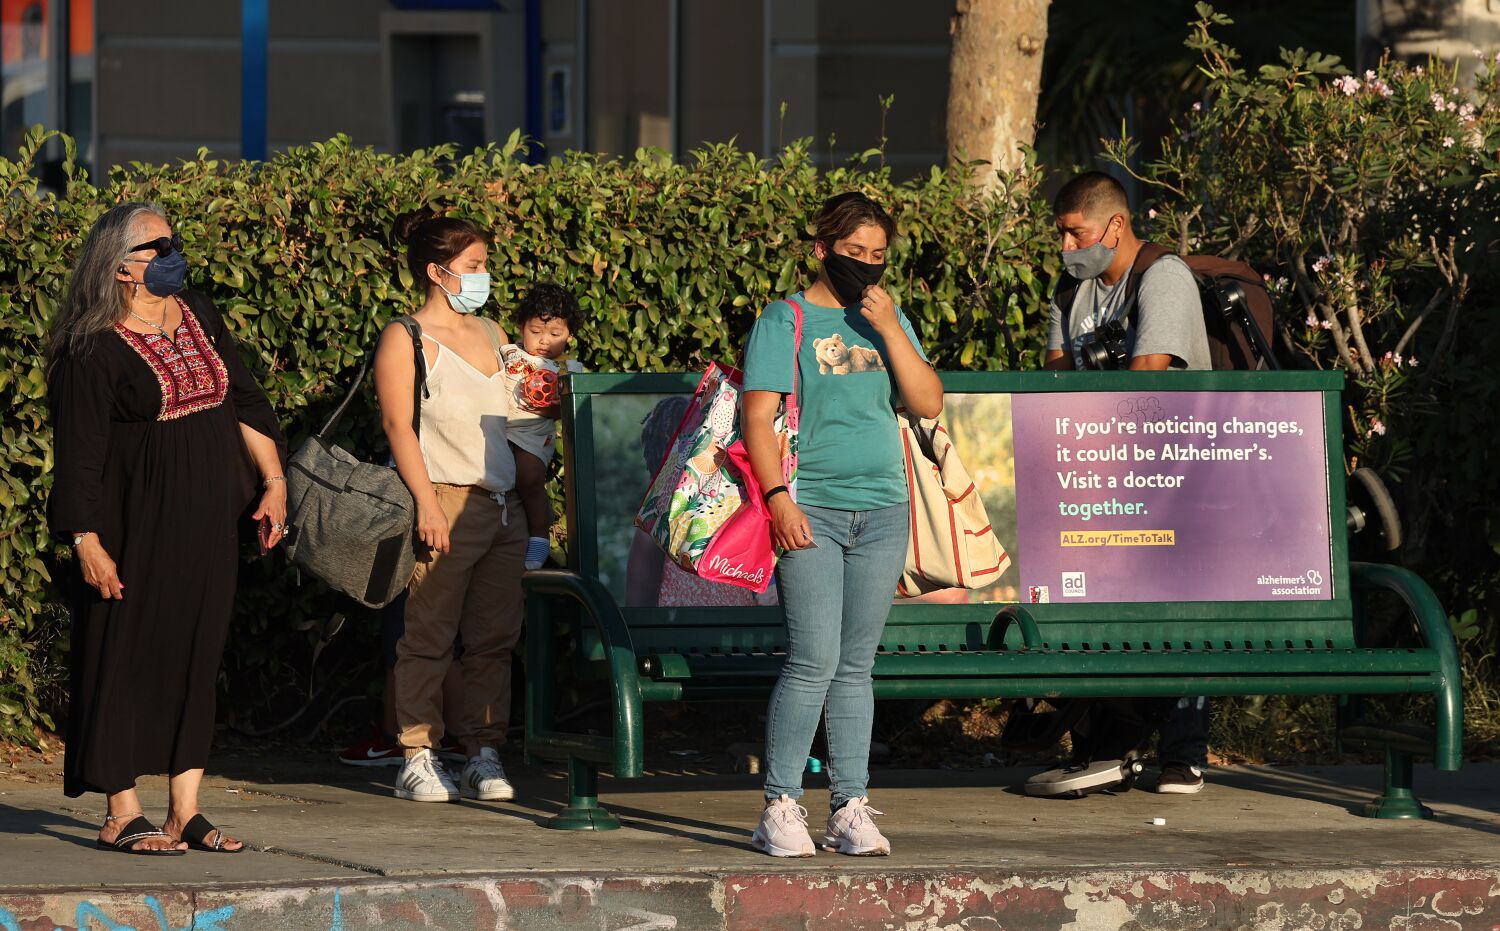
(1063, 295)
(419, 384)
(1149, 254)
(419, 387)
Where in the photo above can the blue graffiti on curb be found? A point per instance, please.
(90, 917)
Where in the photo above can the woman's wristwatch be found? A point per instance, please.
(79, 537)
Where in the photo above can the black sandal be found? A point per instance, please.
(138, 829)
(196, 832)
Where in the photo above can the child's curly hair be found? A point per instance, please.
(548, 300)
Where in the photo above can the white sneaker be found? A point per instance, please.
(851, 830)
(423, 779)
(783, 830)
(484, 779)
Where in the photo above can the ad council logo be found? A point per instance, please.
(1073, 585)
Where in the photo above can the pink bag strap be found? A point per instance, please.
(796, 355)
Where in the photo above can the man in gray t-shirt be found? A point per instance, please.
(1166, 332)
(1099, 247)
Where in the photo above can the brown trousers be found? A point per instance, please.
(473, 590)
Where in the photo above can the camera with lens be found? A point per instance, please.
(1105, 349)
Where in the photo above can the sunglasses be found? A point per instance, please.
(164, 245)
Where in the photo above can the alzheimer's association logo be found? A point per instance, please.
(1073, 585)
(1040, 595)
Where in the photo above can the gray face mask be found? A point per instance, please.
(1086, 264)
(1090, 263)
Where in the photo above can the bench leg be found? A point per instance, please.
(1398, 801)
(583, 812)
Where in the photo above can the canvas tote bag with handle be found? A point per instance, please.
(952, 544)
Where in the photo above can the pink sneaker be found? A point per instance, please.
(852, 830)
(783, 830)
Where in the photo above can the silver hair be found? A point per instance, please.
(96, 299)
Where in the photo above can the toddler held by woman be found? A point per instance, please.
(546, 320)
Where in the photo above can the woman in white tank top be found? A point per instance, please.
(471, 537)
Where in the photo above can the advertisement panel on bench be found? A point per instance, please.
(1172, 496)
(1123, 497)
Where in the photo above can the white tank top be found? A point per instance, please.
(463, 425)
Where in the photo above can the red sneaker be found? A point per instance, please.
(379, 750)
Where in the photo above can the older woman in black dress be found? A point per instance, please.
(159, 430)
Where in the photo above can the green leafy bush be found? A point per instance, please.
(671, 262)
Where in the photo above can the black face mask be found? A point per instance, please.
(850, 277)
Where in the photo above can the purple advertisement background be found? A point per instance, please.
(1252, 530)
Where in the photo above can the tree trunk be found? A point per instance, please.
(995, 75)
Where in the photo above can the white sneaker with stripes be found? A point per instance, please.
(423, 779)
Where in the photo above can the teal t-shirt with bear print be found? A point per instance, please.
(849, 445)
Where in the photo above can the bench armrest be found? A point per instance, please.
(1031, 635)
(1432, 621)
(600, 608)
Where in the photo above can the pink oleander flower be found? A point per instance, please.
(1151, 213)
(1348, 84)
(1313, 321)
(1466, 112)
(1376, 426)
(1411, 363)
(1197, 106)
(1326, 324)
(1438, 103)
(1448, 142)
(1321, 264)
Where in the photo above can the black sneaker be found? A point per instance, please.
(1180, 779)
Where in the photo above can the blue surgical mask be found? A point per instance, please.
(473, 291)
(164, 275)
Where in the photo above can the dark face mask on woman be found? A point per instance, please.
(166, 273)
(849, 277)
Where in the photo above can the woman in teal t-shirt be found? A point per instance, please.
(845, 537)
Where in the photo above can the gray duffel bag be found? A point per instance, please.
(350, 522)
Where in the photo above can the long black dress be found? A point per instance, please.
(148, 455)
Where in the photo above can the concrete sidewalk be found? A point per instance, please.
(1260, 848)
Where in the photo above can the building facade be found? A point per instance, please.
(155, 80)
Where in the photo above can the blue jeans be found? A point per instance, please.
(835, 597)
(1184, 733)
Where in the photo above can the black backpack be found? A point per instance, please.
(1238, 315)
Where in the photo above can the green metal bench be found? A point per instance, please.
(576, 624)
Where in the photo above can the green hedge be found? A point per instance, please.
(670, 261)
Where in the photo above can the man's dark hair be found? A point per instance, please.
(844, 213)
(1093, 194)
(549, 300)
